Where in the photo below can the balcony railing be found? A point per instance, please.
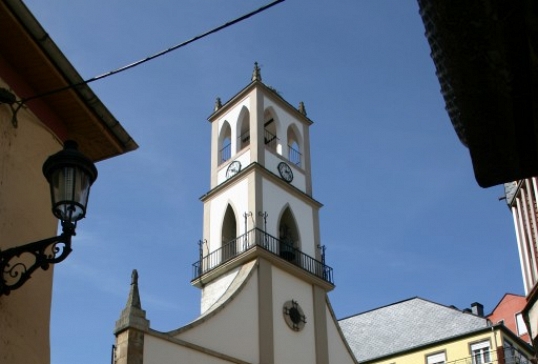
(225, 153)
(258, 237)
(294, 156)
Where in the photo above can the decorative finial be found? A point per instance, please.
(302, 109)
(134, 277)
(134, 297)
(218, 104)
(256, 74)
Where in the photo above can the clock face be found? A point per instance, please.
(294, 315)
(285, 172)
(233, 169)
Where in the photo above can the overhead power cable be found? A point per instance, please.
(159, 54)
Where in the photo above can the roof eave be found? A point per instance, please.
(107, 138)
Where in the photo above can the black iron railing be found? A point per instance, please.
(258, 237)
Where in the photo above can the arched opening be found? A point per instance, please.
(270, 139)
(294, 147)
(229, 234)
(288, 236)
(225, 143)
(244, 129)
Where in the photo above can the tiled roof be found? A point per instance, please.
(404, 325)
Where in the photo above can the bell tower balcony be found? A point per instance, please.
(254, 243)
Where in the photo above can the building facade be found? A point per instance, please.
(521, 197)
(262, 268)
(33, 127)
(418, 331)
(509, 311)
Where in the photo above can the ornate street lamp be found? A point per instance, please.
(70, 175)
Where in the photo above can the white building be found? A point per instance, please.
(262, 270)
(521, 197)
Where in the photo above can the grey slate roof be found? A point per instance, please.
(404, 325)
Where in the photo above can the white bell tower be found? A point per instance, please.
(262, 270)
(261, 185)
(262, 267)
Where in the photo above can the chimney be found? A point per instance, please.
(477, 309)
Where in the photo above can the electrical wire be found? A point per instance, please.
(156, 55)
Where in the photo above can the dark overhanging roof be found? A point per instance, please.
(486, 55)
(27, 49)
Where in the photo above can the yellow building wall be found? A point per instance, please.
(457, 352)
(25, 216)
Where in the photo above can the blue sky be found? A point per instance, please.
(403, 215)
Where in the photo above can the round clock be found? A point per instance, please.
(233, 169)
(285, 172)
(294, 315)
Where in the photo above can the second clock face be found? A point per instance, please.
(285, 172)
(233, 169)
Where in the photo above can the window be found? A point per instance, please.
(481, 352)
(244, 123)
(521, 327)
(225, 145)
(512, 355)
(294, 146)
(437, 358)
(509, 353)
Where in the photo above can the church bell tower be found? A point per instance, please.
(261, 268)
(261, 190)
(259, 212)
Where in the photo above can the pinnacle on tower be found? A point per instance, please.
(256, 74)
(218, 104)
(302, 109)
(132, 315)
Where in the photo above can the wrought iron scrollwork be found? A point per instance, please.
(17, 264)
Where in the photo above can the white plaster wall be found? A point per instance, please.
(302, 212)
(214, 290)
(338, 352)
(159, 351)
(233, 329)
(237, 196)
(292, 346)
(533, 318)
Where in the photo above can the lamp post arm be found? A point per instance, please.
(18, 263)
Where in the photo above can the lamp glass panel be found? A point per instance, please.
(70, 187)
